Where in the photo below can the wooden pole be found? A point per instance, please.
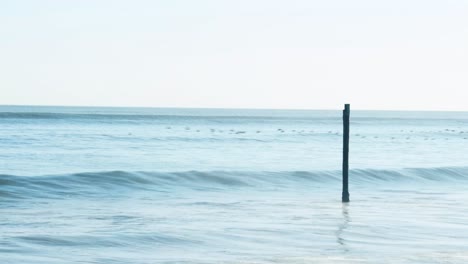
(345, 194)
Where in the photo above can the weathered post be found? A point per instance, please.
(345, 194)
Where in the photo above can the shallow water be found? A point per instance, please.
(126, 185)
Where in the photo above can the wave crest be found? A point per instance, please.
(101, 183)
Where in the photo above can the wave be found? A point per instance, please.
(109, 116)
(230, 116)
(196, 114)
(50, 115)
(118, 182)
(99, 183)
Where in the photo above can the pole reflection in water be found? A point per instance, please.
(343, 226)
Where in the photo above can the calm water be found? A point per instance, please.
(146, 185)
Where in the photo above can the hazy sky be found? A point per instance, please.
(398, 54)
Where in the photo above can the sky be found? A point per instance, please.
(294, 54)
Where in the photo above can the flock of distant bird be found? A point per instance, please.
(280, 130)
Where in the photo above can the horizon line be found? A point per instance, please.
(233, 108)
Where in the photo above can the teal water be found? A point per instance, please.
(149, 185)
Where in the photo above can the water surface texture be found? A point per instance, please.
(149, 185)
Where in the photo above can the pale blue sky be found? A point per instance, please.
(399, 54)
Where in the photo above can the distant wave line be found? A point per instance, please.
(100, 116)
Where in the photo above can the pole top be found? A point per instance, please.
(346, 107)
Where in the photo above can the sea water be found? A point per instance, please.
(161, 185)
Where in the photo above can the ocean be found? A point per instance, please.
(166, 185)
